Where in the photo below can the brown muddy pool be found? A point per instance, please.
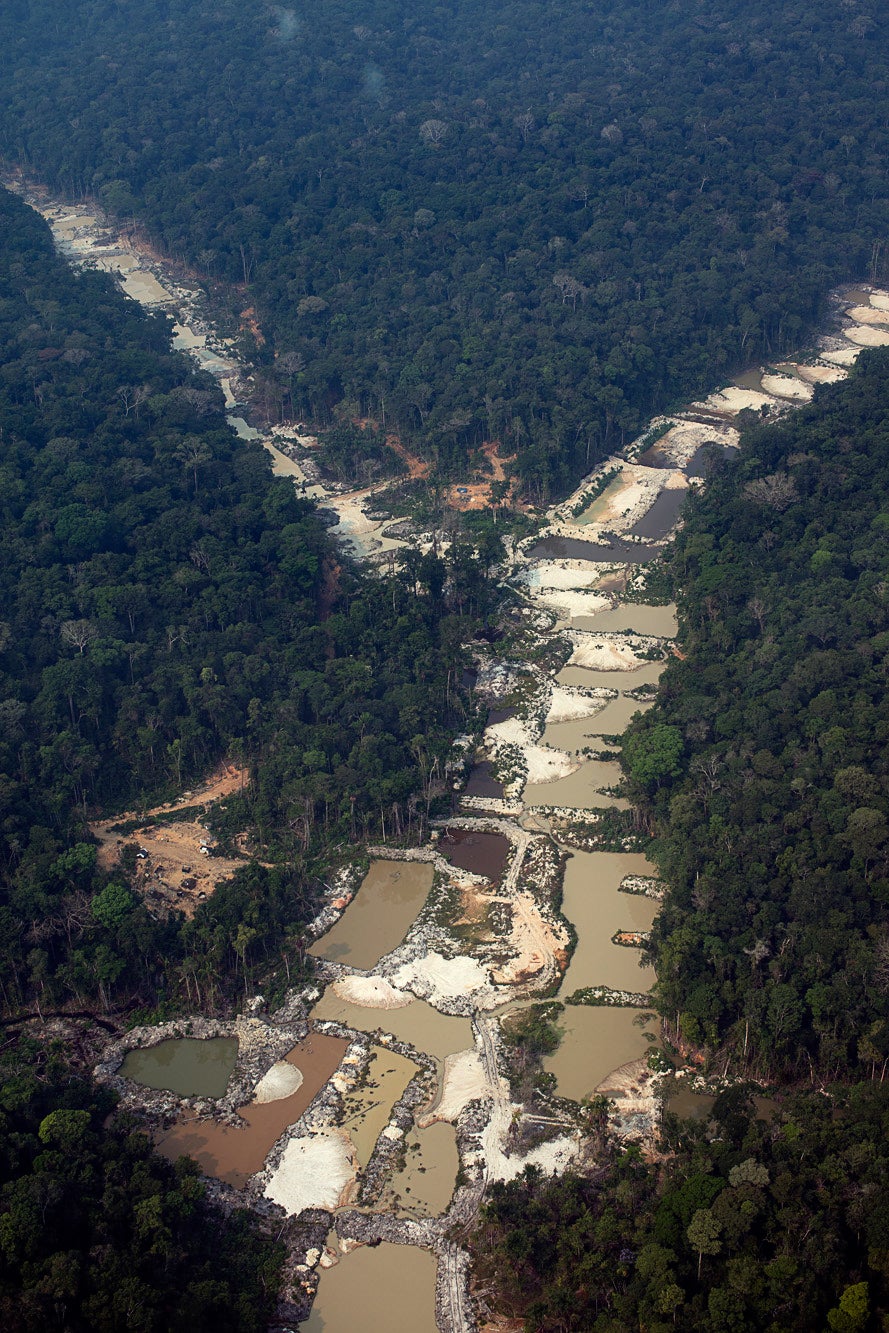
(416, 1023)
(579, 790)
(643, 619)
(596, 1041)
(615, 716)
(425, 1184)
(657, 522)
(379, 916)
(385, 1289)
(233, 1154)
(481, 782)
(648, 674)
(186, 1065)
(366, 1109)
(481, 853)
(572, 548)
(591, 901)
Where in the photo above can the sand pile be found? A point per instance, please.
(371, 993)
(314, 1172)
(281, 1080)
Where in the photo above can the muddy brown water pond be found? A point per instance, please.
(416, 1023)
(641, 618)
(385, 1289)
(481, 782)
(234, 1153)
(615, 716)
(579, 791)
(579, 734)
(379, 916)
(648, 674)
(657, 522)
(699, 463)
(481, 853)
(366, 1109)
(596, 1041)
(590, 899)
(187, 1065)
(425, 1184)
(572, 548)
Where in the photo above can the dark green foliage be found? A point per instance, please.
(773, 823)
(96, 1233)
(519, 219)
(164, 601)
(778, 1225)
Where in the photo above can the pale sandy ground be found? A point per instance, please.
(314, 1172)
(553, 1158)
(463, 1082)
(864, 336)
(571, 602)
(820, 374)
(371, 993)
(843, 356)
(281, 1080)
(599, 652)
(560, 574)
(865, 314)
(545, 764)
(566, 704)
(435, 978)
(733, 400)
(785, 386)
(880, 300)
(681, 443)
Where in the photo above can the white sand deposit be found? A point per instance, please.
(280, 1081)
(571, 602)
(566, 704)
(820, 374)
(435, 977)
(865, 314)
(734, 400)
(864, 336)
(681, 443)
(559, 574)
(313, 1173)
(371, 993)
(553, 1157)
(786, 386)
(844, 356)
(545, 764)
(463, 1082)
(879, 300)
(601, 652)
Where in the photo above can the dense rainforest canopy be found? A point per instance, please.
(166, 601)
(97, 1234)
(775, 1223)
(520, 220)
(764, 761)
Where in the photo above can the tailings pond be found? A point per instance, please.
(572, 548)
(635, 617)
(480, 853)
(416, 1023)
(384, 1289)
(379, 916)
(597, 1041)
(234, 1153)
(657, 522)
(187, 1066)
(592, 901)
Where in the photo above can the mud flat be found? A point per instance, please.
(380, 915)
(384, 1289)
